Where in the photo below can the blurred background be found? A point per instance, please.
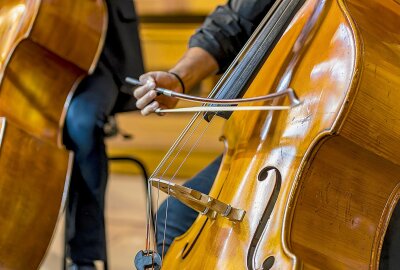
(165, 27)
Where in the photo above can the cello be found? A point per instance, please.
(47, 48)
(314, 186)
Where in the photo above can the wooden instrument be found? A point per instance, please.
(318, 182)
(46, 48)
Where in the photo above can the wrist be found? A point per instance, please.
(180, 80)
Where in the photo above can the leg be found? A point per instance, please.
(88, 111)
(181, 217)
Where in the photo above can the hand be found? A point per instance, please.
(147, 99)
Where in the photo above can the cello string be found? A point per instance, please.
(156, 171)
(212, 109)
(258, 108)
(220, 83)
(180, 147)
(172, 148)
(192, 148)
(243, 51)
(165, 228)
(226, 75)
(173, 177)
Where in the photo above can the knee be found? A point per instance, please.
(82, 124)
(175, 217)
(82, 118)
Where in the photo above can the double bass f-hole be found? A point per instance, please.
(265, 175)
(271, 176)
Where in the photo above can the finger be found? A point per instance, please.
(143, 90)
(144, 101)
(150, 108)
(147, 76)
(161, 113)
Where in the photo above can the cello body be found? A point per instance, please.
(47, 48)
(318, 182)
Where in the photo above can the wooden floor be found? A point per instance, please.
(125, 218)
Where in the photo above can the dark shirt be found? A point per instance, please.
(122, 52)
(227, 29)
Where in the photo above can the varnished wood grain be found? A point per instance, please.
(63, 22)
(16, 18)
(337, 152)
(337, 222)
(29, 94)
(41, 64)
(31, 196)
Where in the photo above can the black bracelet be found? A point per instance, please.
(179, 79)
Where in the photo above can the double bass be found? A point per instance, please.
(313, 186)
(46, 48)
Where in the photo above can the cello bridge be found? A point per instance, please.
(198, 201)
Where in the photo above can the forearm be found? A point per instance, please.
(194, 66)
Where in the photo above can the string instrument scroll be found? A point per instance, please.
(318, 182)
(47, 47)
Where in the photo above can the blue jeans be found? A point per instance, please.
(180, 216)
(92, 103)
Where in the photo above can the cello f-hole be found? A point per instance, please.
(263, 174)
(268, 263)
(276, 187)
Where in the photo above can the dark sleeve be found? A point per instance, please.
(226, 30)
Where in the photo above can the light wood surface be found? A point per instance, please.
(51, 46)
(174, 7)
(164, 43)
